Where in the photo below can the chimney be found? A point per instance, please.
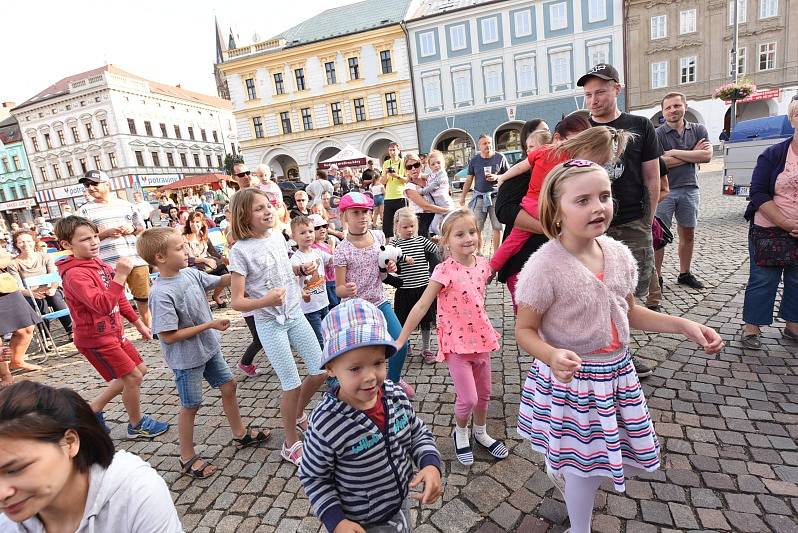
(9, 105)
(178, 86)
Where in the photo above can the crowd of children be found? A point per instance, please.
(363, 450)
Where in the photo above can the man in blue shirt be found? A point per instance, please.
(686, 145)
(482, 171)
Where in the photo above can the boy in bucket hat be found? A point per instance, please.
(364, 435)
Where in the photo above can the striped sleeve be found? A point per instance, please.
(430, 246)
(423, 448)
(316, 475)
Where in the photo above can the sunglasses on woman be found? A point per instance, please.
(414, 165)
(323, 226)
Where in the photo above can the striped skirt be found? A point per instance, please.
(593, 425)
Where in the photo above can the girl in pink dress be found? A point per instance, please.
(466, 337)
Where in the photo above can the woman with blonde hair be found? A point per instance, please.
(424, 210)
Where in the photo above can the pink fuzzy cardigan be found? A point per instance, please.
(576, 306)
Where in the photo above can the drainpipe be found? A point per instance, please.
(412, 83)
(625, 16)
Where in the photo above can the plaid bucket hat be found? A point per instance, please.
(353, 324)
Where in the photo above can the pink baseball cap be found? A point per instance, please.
(355, 200)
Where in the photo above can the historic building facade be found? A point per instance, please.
(686, 46)
(16, 182)
(341, 78)
(486, 67)
(142, 133)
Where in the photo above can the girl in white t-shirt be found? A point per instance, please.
(377, 191)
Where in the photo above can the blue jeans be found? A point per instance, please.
(396, 362)
(760, 293)
(314, 319)
(189, 380)
(331, 296)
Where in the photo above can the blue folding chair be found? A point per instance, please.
(45, 333)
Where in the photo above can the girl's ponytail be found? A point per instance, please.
(598, 141)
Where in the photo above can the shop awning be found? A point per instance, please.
(194, 181)
(349, 156)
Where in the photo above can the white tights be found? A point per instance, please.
(580, 495)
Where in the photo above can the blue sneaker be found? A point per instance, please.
(101, 421)
(148, 428)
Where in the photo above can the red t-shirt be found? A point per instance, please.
(377, 413)
(542, 161)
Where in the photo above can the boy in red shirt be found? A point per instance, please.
(95, 295)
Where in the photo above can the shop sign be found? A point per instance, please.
(156, 180)
(25, 203)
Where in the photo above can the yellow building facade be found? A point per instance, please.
(302, 96)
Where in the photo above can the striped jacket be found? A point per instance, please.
(351, 470)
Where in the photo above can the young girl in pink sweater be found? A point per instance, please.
(582, 406)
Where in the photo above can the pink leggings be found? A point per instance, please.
(517, 237)
(472, 382)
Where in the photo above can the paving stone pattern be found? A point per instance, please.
(728, 425)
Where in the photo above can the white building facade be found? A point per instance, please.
(489, 67)
(142, 133)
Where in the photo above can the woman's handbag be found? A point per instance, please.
(661, 235)
(7, 283)
(774, 247)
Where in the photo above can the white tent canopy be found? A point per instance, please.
(349, 156)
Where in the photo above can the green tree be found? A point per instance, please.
(229, 161)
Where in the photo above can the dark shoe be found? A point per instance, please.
(643, 370)
(751, 341)
(690, 280)
(655, 307)
(101, 420)
(204, 470)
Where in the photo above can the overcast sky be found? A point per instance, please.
(170, 41)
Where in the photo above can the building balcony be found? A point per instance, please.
(263, 46)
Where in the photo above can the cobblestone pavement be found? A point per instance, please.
(728, 425)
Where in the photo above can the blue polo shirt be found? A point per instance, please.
(684, 175)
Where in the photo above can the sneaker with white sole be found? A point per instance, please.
(250, 370)
(148, 428)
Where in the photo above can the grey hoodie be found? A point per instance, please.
(127, 497)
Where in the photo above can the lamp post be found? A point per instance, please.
(735, 69)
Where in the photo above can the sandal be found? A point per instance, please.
(429, 356)
(751, 341)
(293, 454)
(187, 467)
(249, 440)
(302, 422)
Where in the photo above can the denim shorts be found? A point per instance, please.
(189, 380)
(482, 215)
(682, 202)
(379, 199)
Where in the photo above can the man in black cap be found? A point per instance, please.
(635, 177)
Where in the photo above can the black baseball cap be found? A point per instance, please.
(605, 71)
(94, 176)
